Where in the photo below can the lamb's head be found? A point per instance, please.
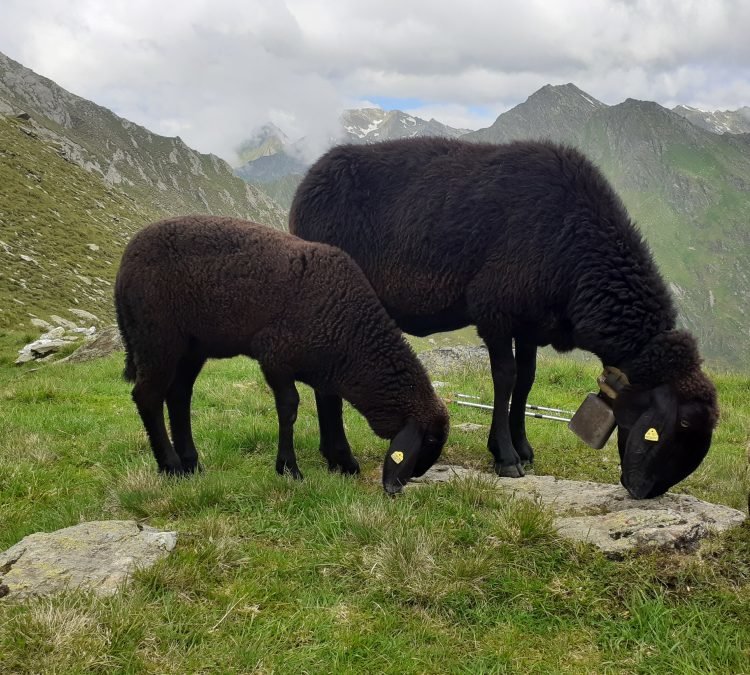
(416, 447)
(664, 432)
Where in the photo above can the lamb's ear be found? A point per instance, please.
(402, 456)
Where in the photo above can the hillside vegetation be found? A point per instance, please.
(62, 231)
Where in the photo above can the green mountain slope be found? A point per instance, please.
(62, 231)
(688, 190)
(159, 171)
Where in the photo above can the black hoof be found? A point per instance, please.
(509, 470)
(347, 468)
(526, 453)
(174, 470)
(293, 471)
(193, 466)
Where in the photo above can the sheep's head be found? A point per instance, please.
(664, 432)
(415, 449)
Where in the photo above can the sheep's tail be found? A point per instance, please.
(129, 372)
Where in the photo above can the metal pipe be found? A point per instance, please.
(529, 406)
(538, 416)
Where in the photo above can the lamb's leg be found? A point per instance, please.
(148, 394)
(525, 372)
(500, 444)
(333, 444)
(178, 403)
(287, 401)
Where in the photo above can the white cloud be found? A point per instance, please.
(213, 71)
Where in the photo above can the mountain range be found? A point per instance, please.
(684, 176)
(270, 160)
(78, 180)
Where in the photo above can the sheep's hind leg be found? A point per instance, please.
(179, 396)
(500, 444)
(333, 444)
(149, 394)
(287, 402)
(525, 373)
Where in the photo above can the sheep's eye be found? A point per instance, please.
(431, 439)
(684, 424)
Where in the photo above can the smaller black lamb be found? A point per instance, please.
(201, 287)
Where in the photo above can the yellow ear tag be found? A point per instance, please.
(397, 456)
(652, 435)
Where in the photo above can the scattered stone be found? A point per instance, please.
(65, 323)
(105, 343)
(27, 258)
(52, 341)
(99, 556)
(606, 515)
(469, 426)
(41, 323)
(83, 314)
(447, 359)
(437, 384)
(44, 347)
(94, 247)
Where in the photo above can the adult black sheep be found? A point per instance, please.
(199, 287)
(526, 241)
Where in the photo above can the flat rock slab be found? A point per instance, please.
(98, 556)
(606, 515)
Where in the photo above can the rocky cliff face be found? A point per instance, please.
(717, 121)
(369, 125)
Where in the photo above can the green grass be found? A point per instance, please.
(328, 575)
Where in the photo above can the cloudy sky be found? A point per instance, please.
(213, 70)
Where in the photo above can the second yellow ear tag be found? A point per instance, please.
(652, 435)
(397, 456)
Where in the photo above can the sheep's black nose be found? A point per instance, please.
(393, 489)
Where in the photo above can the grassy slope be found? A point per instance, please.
(50, 211)
(327, 575)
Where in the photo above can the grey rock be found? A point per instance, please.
(41, 323)
(606, 515)
(447, 359)
(47, 344)
(469, 426)
(105, 343)
(83, 314)
(99, 556)
(64, 323)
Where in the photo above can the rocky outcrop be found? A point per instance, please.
(105, 342)
(605, 515)
(447, 359)
(97, 556)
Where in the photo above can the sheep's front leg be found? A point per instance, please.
(287, 402)
(333, 443)
(500, 443)
(525, 373)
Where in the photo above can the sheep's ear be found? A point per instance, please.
(402, 456)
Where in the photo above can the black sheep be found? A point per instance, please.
(200, 287)
(527, 241)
